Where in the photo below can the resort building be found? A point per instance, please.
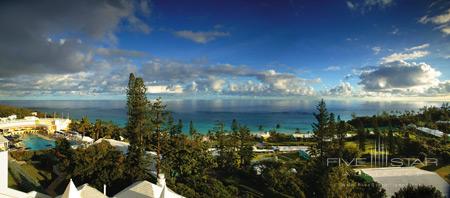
(31, 124)
(392, 179)
(141, 189)
(433, 132)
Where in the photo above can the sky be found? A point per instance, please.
(54, 49)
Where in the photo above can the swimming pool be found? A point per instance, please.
(35, 143)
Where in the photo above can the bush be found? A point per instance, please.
(418, 191)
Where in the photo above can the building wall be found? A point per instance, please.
(3, 170)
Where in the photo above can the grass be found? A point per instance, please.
(12, 183)
(443, 171)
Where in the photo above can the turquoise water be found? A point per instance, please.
(290, 113)
(35, 143)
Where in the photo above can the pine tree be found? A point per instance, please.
(137, 128)
(158, 111)
(180, 126)
(192, 130)
(320, 130)
(234, 126)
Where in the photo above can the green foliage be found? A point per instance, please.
(6, 111)
(418, 191)
(97, 165)
(138, 128)
(281, 178)
(338, 183)
(65, 155)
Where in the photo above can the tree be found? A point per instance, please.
(245, 146)
(418, 191)
(361, 137)
(180, 126)
(137, 128)
(192, 130)
(320, 129)
(65, 155)
(341, 133)
(98, 164)
(338, 184)
(158, 111)
(234, 126)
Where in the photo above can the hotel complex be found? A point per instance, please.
(31, 124)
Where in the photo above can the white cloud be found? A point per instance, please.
(226, 79)
(404, 56)
(367, 5)
(350, 5)
(426, 45)
(399, 77)
(343, 89)
(442, 20)
(376, 50)
(201, 37)
(332, 68)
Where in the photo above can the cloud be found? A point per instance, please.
(201, 37)
(225, 79)
(441, 88)
(350, 5)
(52, 37)
(423, 46)
(368, 5)
(376, 49)
(441, 20)
(332, 68)
(343, 89)
(399, 77)
(404, 56)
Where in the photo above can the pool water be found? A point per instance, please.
(35, 143)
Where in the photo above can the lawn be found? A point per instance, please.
(443, 171)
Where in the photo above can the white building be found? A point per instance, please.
(392, 179)
(434, 132)
(12, 125)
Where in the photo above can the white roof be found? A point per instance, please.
(394, 178)
(119, 145)
(71, 191)
(89, 192)
(145, 189)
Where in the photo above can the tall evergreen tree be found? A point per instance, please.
(137, 128)
(320, 129)
(192, 130)
(180, 126)
(234, 126)
(158, 111)
(361, 136)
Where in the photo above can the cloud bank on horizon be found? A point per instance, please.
(284, 48)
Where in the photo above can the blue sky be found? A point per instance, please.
(369, 48)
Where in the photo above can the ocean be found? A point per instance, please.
(290, 114)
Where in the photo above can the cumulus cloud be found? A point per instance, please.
(441, 88)
(404, 56)
(226, 78)
(442, 21)
(201, 37)
(343, 89)
(399, 77)
(31, 42)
